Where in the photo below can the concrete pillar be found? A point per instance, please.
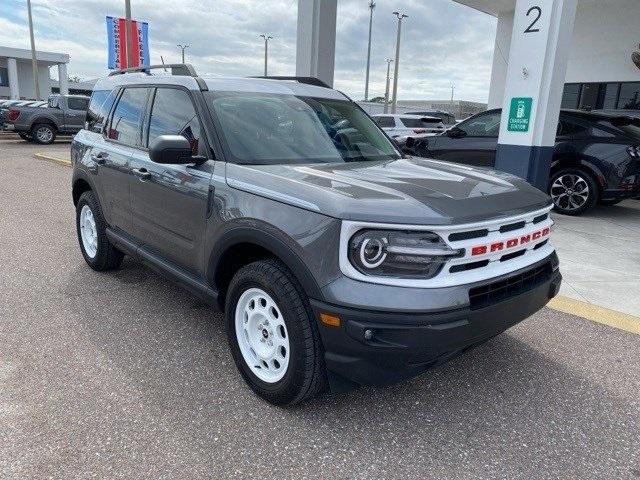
(63, 79)
(12, 71)
(501, 51)
(538, 58)
(316, 39)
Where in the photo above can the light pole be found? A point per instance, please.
(452, 89)
(394, 104)
(34, 61)
(127, 33)
(386, 90)
(372, 5)
(183, 48)
(266, 37)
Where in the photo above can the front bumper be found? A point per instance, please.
(382, 348)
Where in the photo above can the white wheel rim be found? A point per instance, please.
(262, 335)
(44, 134)
(88, 231)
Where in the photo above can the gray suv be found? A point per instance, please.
(337, 260)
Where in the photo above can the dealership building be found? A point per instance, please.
(548, 54)
(600, 73)
(16, 73)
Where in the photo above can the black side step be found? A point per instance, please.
(195, 285)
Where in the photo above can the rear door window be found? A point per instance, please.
(99, 108)
(485, 125)
(173, 113)
(567, 128)
(77, 103)
(411, 122)
(126, 120)
(385, 122)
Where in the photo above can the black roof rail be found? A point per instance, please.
(307, 80)
(184, 69)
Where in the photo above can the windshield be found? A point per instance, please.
(281, 129)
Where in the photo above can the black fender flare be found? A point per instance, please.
(567, 161)
(79, 175)
(271, 239)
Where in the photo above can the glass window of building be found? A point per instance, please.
(629, 96)
(571, 95)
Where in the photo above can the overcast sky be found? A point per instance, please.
(442, 42)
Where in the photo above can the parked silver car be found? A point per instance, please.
(403, 125)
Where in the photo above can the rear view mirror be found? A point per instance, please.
(172, 149)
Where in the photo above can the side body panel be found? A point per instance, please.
(169, 209)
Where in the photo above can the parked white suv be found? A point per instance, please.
(403, 125)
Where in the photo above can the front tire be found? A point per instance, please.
(96, 248)
(272, 334)
(573, 191)
(43, 133)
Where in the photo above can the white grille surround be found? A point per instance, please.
(445, 278)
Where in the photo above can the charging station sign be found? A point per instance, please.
(519, 114)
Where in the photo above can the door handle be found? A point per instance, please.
(142, 173)
(99, 158)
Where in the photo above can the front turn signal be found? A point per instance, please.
(330, 320)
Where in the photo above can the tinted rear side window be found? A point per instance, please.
(567, 128)
(411, 122)
(77, 103)
(173, 114)
(385, 122)
(99, 108)
(125, 122)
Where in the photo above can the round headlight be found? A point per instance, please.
(372, 252)
(405, 254)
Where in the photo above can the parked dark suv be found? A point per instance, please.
(596, 157)
(337, 260)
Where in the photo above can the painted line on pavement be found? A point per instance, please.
(596, 313)
(49, 158)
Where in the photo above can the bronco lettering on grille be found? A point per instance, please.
(511, 243)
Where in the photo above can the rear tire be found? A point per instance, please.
(43, 133)
(25, 136)
(280, 314)
(573, 191)
(96, 248)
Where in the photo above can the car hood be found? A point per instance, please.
(408, 190)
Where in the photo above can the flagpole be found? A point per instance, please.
(127, 32)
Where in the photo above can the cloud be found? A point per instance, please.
(442, 41)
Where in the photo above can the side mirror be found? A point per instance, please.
(173, 149)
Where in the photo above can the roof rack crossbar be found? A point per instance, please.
(307, 80)
(184, 69)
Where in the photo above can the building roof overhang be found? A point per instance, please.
(24, 54)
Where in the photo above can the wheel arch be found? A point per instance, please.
(243, 245)
(80, 185)
(44, 120)
(565, 161)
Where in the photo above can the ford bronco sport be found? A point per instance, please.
(337, 260)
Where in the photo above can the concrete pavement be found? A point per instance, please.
(124, 375)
